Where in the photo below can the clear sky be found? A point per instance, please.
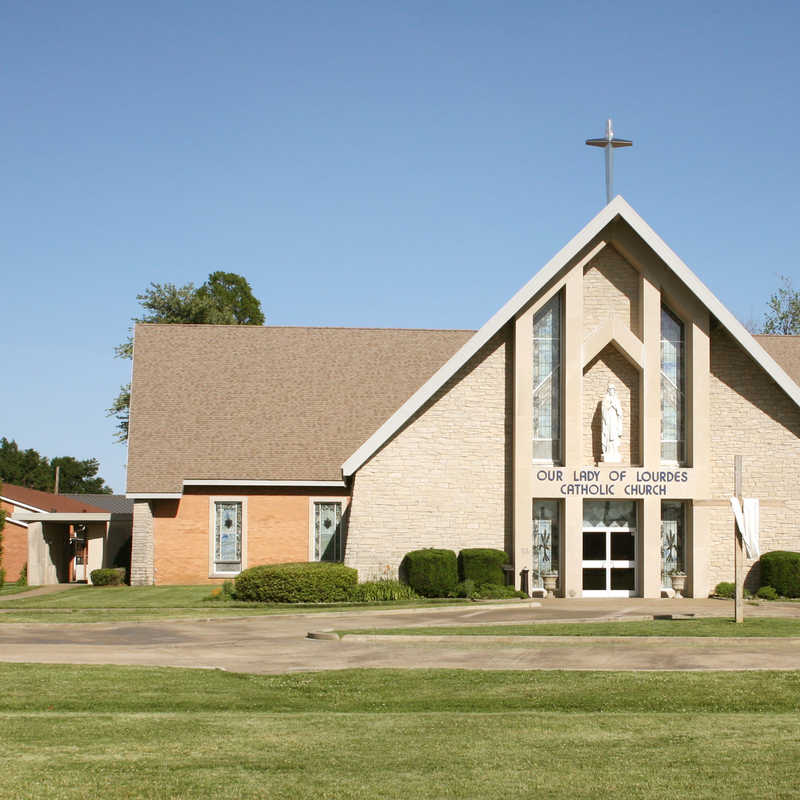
(387, 164)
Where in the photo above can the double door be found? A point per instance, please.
(609, 561)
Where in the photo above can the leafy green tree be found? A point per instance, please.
(224, 299)
(28, 468)
(783, 317)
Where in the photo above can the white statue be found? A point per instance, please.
(612, 426)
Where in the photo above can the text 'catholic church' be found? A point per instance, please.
(588, 428)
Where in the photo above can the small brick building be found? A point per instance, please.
(261, 445)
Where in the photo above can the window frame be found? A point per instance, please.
(213, 572)
(312, 501)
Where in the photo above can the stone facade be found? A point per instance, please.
(752, 417)
(610, 289)
(610, 366)
(444, 479)
(142, 544)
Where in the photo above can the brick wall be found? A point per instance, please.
(15, 545)
(445, 479)
(610, 366)
(277, 531)
(610, 288)
(751, 416)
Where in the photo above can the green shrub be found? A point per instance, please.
(227, 589)
(464, 589)
(431, 572)
(482, 565)
(780, 569)
(384, 589)
(725, 589)
(496, 591)
(2, 577)
(767, 593)
(314, 582)
(114, 576)
(23, 575)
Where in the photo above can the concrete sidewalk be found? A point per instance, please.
(279, 644)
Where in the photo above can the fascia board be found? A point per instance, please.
(17, 522)
(62, 516)
(153, 495)
(481, 337)
(234, 482)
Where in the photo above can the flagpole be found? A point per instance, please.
(738, 555)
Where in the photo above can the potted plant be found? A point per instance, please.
(678, 578)
(550, 579)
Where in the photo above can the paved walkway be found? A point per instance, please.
(279, 644)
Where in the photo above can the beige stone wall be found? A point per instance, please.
(445, 479)
(610, 289)
(142, 544)
(751, 416)
(610, 366)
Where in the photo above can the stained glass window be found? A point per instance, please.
(546, 532)
(673, 540)
(673, 378)
(228, 536)
(547, 382)
(327, 531)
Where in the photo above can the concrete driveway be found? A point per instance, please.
(279, 644)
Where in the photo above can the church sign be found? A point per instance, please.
(616, 483)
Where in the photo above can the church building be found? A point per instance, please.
(588, 429)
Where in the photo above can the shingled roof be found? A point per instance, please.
(46, 501)
(785, 350)
(237, 402)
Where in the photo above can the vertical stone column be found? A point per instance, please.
(699, 519)
(651, 376)
(142, 573)
(650, 559)
(572, 555)
(523, 442)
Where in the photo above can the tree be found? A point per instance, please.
(783, 317)
(224, 299)
(28, 468)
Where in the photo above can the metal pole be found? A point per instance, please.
(609, 172)
(738, 554)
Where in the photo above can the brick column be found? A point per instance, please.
(142, 544)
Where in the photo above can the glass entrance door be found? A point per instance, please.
(609, 549)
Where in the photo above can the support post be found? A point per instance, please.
(738, 554)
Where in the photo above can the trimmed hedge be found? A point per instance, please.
(431, 572)
(482, 565)
(780, 569)
(313, 582)
(725, 589)
(108, 577)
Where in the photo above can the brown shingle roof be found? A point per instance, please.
(214, 402)
(47, 502)
(785, 350)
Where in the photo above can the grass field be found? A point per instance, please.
(135, 603)
(759, 626)
(12, 588)
(74, 732)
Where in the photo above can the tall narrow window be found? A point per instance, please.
(673, 540)
(673, 398)
(547, 382)
(227, 537)
(546, 534)
(328, 531)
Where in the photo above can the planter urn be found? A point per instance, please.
(678, 584)
(550, 579)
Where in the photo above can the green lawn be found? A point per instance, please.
(74, 732)
(133, 603)
(12, 588)
(759, 626)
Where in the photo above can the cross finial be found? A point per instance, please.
(609, 142)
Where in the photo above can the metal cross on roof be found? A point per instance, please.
(609, 142)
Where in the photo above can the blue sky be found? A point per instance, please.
(404, 164)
